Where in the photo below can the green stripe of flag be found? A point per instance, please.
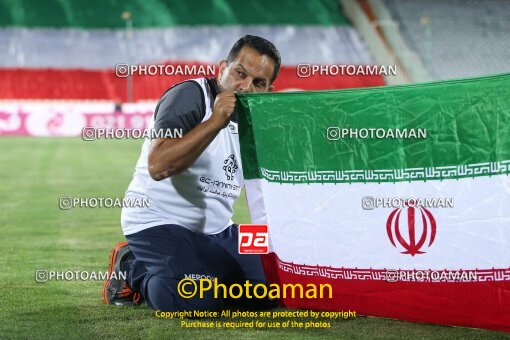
(167, 13)
(284, 135)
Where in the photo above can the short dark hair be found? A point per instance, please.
(259, 44)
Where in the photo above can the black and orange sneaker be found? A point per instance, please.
(116, 290)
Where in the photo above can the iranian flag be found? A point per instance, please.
(397, 196)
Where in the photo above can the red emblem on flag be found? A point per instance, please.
(411, 245)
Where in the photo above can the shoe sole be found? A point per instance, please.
(111, 265)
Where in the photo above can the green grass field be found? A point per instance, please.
(36, 234)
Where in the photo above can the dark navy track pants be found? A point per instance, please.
(168, 253)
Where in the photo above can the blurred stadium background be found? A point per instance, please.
(57, 75)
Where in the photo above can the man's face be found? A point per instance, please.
(249, 72)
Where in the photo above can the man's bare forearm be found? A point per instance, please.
(168, 157)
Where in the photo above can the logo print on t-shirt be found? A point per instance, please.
(233, 129)
(230, 167)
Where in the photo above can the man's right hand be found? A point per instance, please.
(223, 109)
(170, 156)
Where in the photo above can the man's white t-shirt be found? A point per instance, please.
(200, 198)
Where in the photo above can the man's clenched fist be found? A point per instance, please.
(224, 105)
